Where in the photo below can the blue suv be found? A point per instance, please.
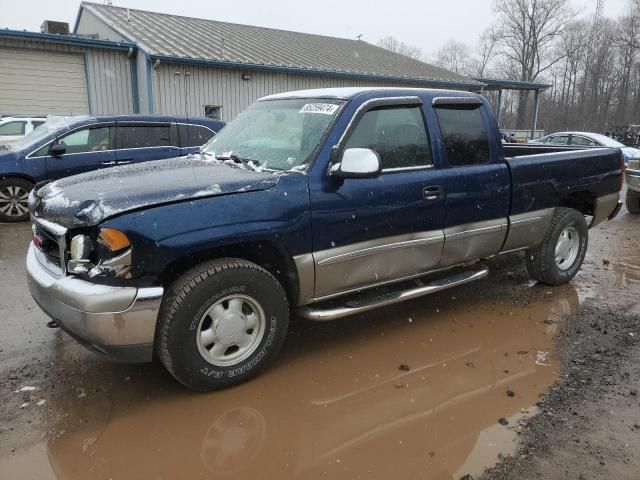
(66, 146)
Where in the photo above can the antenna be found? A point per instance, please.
(359, 36)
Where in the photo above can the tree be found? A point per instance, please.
(454, 56)
(395, 45)
(526, 34)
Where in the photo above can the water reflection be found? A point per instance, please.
(336, 405)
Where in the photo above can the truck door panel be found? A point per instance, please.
(378, 230)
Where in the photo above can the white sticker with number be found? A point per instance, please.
(324, 108)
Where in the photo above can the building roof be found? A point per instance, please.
(169, 37)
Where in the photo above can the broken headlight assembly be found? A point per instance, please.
(108, 255)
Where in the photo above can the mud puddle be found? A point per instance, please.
(336, 404)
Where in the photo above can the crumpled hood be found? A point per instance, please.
(89, 198)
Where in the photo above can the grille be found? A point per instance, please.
(50, 245)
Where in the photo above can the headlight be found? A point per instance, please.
(111, 256)
(81, 247)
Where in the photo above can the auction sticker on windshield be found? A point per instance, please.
(324, 108)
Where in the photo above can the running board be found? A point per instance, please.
(369, 300)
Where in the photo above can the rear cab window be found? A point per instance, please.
(464, 134)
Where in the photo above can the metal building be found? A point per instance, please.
(120, 60)
(197, 67)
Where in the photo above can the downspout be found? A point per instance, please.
(133, 65)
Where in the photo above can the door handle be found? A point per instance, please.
(109, 163)
(432, 192)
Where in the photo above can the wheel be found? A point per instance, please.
(559, 257)
(14, 193)
(221, 324)
(633, 201)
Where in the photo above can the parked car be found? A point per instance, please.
(585, 139)
(324, 202)
(14, 128)
(632, 175)
(70, 145)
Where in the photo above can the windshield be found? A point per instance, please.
(52, 124)
(606, 141)
(278, 134)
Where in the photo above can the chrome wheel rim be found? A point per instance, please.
(567, 248)
(230, 330)
(14, 201)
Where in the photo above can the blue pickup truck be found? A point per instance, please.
(66, 146)
(324, 203)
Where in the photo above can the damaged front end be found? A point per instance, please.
(106, 253)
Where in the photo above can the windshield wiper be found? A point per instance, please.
(252, 164)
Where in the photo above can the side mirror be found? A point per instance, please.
(357, 163)
(57, 149)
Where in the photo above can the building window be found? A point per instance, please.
(214, 112)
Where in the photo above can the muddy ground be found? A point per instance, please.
(560, 365)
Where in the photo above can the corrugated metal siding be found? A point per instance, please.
(39, 82)
(185, 90)
(108, 72)
(89, 24)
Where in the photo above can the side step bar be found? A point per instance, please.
(370, 300)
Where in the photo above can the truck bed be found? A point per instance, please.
(544, 176)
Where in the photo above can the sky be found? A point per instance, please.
(427, 24)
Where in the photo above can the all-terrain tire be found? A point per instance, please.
(633, 201)
(203, 297)
(545, 263)
(14, 193)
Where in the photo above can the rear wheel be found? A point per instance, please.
(559, 257)
(14, 194)
(633, 201)
(221, 324)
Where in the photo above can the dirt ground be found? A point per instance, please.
(560, 365)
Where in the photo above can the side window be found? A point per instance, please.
(465, 136)
(143, 136)
(582, 141)
(87, 140)
(12, 128)
(560, 140)
(37, 123)
(397, 134)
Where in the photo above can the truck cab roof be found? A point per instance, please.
(346, 93)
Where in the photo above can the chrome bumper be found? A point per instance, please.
(632, 177)
(119, 322)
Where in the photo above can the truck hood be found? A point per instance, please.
(90, 198)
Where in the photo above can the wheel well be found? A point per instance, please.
(582, 201)
(22, 177)
(273, 258)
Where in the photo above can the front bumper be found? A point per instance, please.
(632, 177)
(119, 322)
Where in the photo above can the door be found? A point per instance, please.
(145, 141)
(477, 189)
(373, 231)
(37, 82)
(85, 149)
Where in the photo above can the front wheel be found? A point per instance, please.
(560, 255)
(14, 194)
(221, 324)
(633, 201)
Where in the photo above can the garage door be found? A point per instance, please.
(42, 82)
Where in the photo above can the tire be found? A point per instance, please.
(221, 324)
(552, 267)
(14, 193)
(633, 201)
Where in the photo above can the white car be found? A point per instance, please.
(586, 139)
(14, 128)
